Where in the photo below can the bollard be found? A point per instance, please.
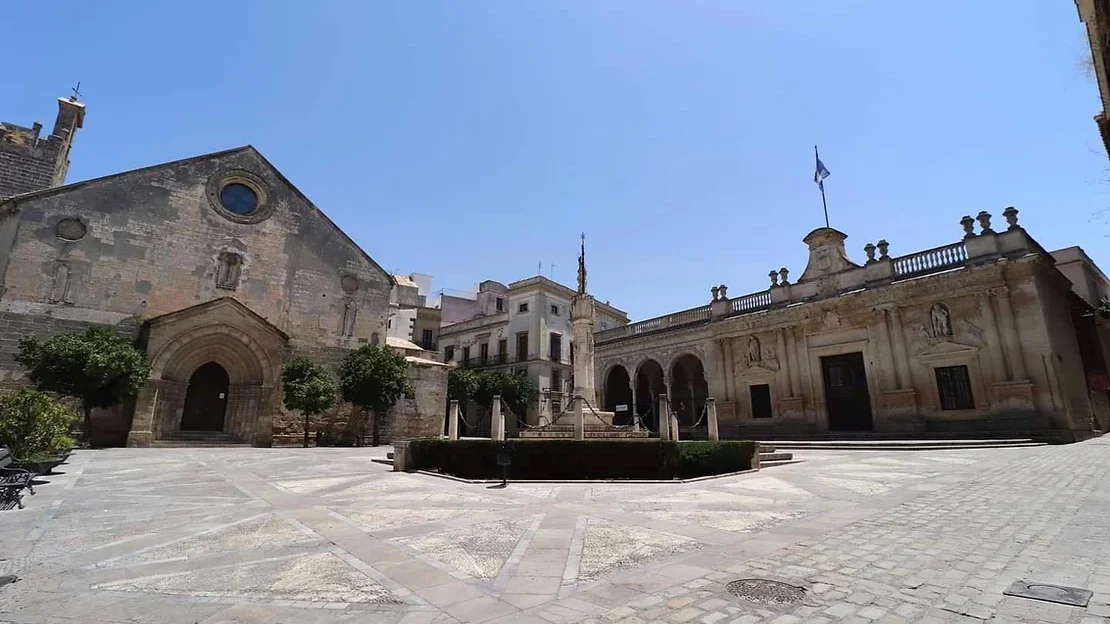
(711, 418)
(664, 418)
(453, 421)
(497, 420)
(579, 422)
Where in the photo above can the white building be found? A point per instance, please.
(523, 326)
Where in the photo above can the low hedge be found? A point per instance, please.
(586, 459)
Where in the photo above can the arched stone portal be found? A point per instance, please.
(649, 385)
(188, 350)
(618, 393)
(688, 389)
(206, 399)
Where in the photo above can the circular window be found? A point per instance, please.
(239, 198)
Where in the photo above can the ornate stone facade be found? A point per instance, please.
(979, 336)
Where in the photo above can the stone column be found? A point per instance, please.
(786, 384)
(453, 421)
(664, 417)
(674, 427)
(635, 413)
(730, 369)
(579, 421)
(994, 341)
(142, 423)
(1010, 336)
(885, 349)
(901, 360)
(497, 420)
(711, 416)
(795, 372)
(726, 376)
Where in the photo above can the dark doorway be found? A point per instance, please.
(846, 396)
(206, 399)
(649, 385)
(618, 395)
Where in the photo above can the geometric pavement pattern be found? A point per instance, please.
(329, 535)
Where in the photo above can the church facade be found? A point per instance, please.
(989, 335)
(220, 268)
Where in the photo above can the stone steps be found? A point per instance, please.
(194, 439)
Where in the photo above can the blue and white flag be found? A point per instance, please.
(821, 173)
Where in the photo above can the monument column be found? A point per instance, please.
(582, 311)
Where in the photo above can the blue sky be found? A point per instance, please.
(472, 140)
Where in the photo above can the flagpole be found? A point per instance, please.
(822, 186)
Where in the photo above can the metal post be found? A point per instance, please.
(497, 420)
(664, 418)
(453, 421)
(579, 421)
(711, 417)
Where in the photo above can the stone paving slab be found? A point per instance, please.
(242, 535)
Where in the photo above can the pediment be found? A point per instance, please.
(225, 310)
(946, 349)
(756, 371)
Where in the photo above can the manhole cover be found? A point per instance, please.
(764, 590)
(1073, 596)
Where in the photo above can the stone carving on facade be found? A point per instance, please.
(968, 224)
(984, 218)
(59, 290)
(349, 284)
(1011, 215)
(350, 311)
(774, 275)
(831, 319)
(783, 276)
(940, 320)
(869, 249)
(715, 291)
(755, 351)
(884, 249)
(723, 290)
(228, 270)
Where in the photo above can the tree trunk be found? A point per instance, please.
(87, 433)
(375, 434)
(306, 430)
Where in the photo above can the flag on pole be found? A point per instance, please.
(821, 173)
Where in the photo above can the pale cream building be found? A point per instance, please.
(988, 335)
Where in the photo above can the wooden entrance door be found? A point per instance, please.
(206, 399)
(846, 396)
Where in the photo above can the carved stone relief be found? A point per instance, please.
(940, 320)
(228, 270)
(60, 288)
(350, 311)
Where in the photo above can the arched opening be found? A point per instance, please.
(649, 385)
(688, 390)
(618, 395)
(206, 399)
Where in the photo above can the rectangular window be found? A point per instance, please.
(556, 392)
(522, 347)
(761, 400)
(466, 355)
(522, 308)
(448, 353)
(426, 340)
(954, 386)
(502, 351)
(483, 351)
(554, 310)
(555, 347)
(500, 304)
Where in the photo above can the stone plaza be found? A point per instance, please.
(290, 535)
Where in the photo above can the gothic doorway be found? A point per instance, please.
(846, 397)
(206, 399)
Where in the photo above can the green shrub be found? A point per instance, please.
(34, 424)
(587, 459)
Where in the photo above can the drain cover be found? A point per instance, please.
(764, 590)
(1073, 596)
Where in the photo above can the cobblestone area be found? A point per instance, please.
(327, 535)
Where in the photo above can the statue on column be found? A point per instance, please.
(582, 267)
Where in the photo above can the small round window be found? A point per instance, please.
(239, 198)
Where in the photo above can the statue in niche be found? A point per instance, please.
(59, 291)
(755, 351)
(350, 311)
(227, 274)
(941, 321)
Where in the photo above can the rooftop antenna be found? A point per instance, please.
(539, 267)
(76, 92)
(551, 271)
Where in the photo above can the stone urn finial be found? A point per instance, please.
(1011, 214)
(869, 249)
(774, 275)
(884, 248)
(714, 292)
(783, 274)
(984, 218)
(724, 292)
(968, 224)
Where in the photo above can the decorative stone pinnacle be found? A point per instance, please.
(984, 222)
(1011, 214)
(724, 292)
(968, 224)
(714, 292)
(774, 275)
(884, 247)
(869, 249)
(582, 267)
(783, 274)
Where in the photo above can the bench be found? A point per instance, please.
(13, 481)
